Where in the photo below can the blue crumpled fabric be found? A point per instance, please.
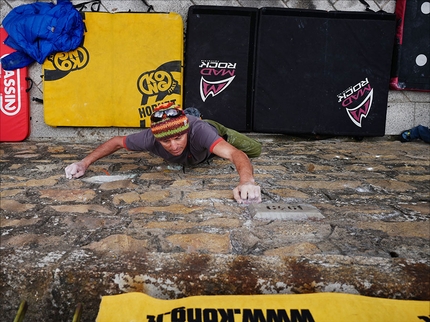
(40, 29)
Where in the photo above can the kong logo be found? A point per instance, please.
(66, 62)
(357, 101)
(10, 96)
(216, 76)
(159, 82)
(71, 61)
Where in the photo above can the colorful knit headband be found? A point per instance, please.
(169, 127)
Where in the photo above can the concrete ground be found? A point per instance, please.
(149, 227)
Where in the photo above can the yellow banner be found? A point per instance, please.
(318, 307)
(127, 64)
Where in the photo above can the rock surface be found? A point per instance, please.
(172, 234)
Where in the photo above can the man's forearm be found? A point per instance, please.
(243, 167)
(247, 191)
(238, 158)
(103, 150)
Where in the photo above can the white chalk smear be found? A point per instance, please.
(103, 179)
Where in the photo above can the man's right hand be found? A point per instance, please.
(247, 193)
(75, 170)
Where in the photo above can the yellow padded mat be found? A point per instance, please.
(127, 64)
(318, 307)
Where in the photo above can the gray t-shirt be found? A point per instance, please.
(202, 138)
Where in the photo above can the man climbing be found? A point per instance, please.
(183, 139)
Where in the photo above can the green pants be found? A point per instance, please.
(251, 147)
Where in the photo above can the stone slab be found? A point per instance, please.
(284, 211)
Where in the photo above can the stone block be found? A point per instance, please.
(284, 211)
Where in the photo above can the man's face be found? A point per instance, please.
(176, 145)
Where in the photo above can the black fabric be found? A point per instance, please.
(313, 68)
(413, 39)
(220, 45)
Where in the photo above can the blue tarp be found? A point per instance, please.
(39, 29)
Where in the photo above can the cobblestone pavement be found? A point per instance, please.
(172, 233)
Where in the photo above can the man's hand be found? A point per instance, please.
(75, 170)
(247, 192)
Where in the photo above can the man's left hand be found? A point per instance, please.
(247, 192)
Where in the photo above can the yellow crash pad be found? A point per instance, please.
(127, 64)
(318, 307)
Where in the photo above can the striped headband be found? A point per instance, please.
(168, 121)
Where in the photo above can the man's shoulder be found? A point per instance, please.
(197, 124)
(144, 132)
(201, 133)
(143, 139)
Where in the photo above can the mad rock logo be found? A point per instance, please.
(357, 101)
(216, 76)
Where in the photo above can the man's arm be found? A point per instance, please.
(78, 169)
(247, 191)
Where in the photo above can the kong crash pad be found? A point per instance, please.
(127, 64)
